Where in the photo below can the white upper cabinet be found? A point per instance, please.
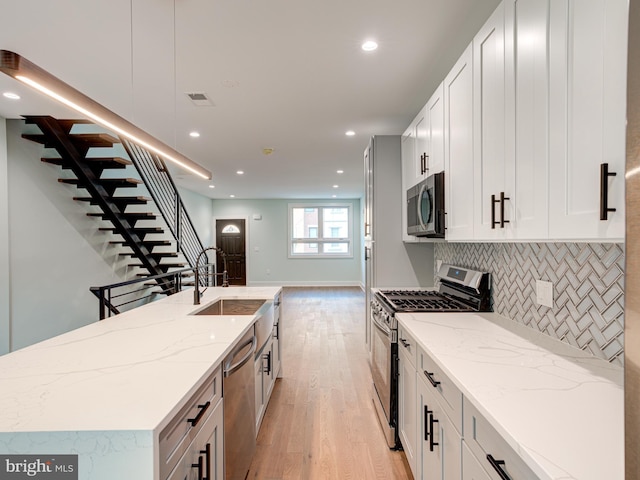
(493, 159)
(434, 112)
(531, 121)
(408, 152)
(588, 56)
(458, 148)
(527, 73)
(415, 146)
(427, 132)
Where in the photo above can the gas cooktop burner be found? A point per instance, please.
(460, 290)
(422, 301)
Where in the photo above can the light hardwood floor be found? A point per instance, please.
(320, 422)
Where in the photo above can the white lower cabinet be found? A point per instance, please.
(432, 422)
(407, 421)
(204, 457)
(471, 469)
(490, 449)
(439, 434)
(265, 378)
(191, 446)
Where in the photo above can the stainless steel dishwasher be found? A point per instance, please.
(239, 408)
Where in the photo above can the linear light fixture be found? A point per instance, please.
(30, 74)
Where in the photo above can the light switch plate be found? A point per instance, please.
(544, 293)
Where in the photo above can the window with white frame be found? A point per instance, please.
(321, 230)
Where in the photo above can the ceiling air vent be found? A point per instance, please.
(200, 99)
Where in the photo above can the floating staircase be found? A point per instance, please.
(102, 191)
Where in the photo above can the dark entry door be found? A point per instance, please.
(230, 237)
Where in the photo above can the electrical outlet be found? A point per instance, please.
(544, 293)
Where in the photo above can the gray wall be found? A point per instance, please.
(588, 278)
(267, 260)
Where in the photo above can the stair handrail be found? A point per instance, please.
(108, 306)
(156, 177)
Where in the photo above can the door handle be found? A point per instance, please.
(432, 443)
(604, 191)
(497, 465)
(199, 467)
(207, 468)
(502, 199)
(429, 375)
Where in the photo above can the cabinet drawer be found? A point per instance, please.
(484, 441)
(407, 344)
(185, 425)
(204, 450)
(448, 395)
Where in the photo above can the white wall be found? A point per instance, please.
(5, 325)
(270, 265)
(200, 209)
(50, 251)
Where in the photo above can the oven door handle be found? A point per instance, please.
(383, 328)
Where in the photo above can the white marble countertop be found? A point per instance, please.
(559, 408)
(126, 373)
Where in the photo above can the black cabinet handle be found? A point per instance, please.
(502, 199)
(199, 467)
(267, 357)
(433, 382)
(277, 333)
(203, 408)
(432, 443)
(207, 453)
(604, 191)
(404, 342)
(422, 164)
(497, 465)
(426, 422)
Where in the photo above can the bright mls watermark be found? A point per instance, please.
(50, 467)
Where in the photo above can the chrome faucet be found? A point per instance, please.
(225, 276)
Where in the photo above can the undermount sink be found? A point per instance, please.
(231, 306)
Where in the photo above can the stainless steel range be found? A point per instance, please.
(460, 290)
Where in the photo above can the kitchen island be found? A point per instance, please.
(106, 391)
(558, 408)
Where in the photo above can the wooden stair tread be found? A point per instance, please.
(136, 229)
(103, 162)
(133, 215)
(119, 182)
(157, 255)
(88, 139)
(160, 265)
(128, 200)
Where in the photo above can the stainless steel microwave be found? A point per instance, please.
(425, 207)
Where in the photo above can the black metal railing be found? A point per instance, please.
(115, 296)
(156, 177)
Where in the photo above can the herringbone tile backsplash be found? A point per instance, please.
(588, 288)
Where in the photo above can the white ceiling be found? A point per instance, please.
(283, 74)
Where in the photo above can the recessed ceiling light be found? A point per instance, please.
(212, 186)
(240, 172)
(339, 171)
(11, 95)
(349, 133)
(369, 46)
(232, 196)
(194, 134)
(335, 186)
(334, 196)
